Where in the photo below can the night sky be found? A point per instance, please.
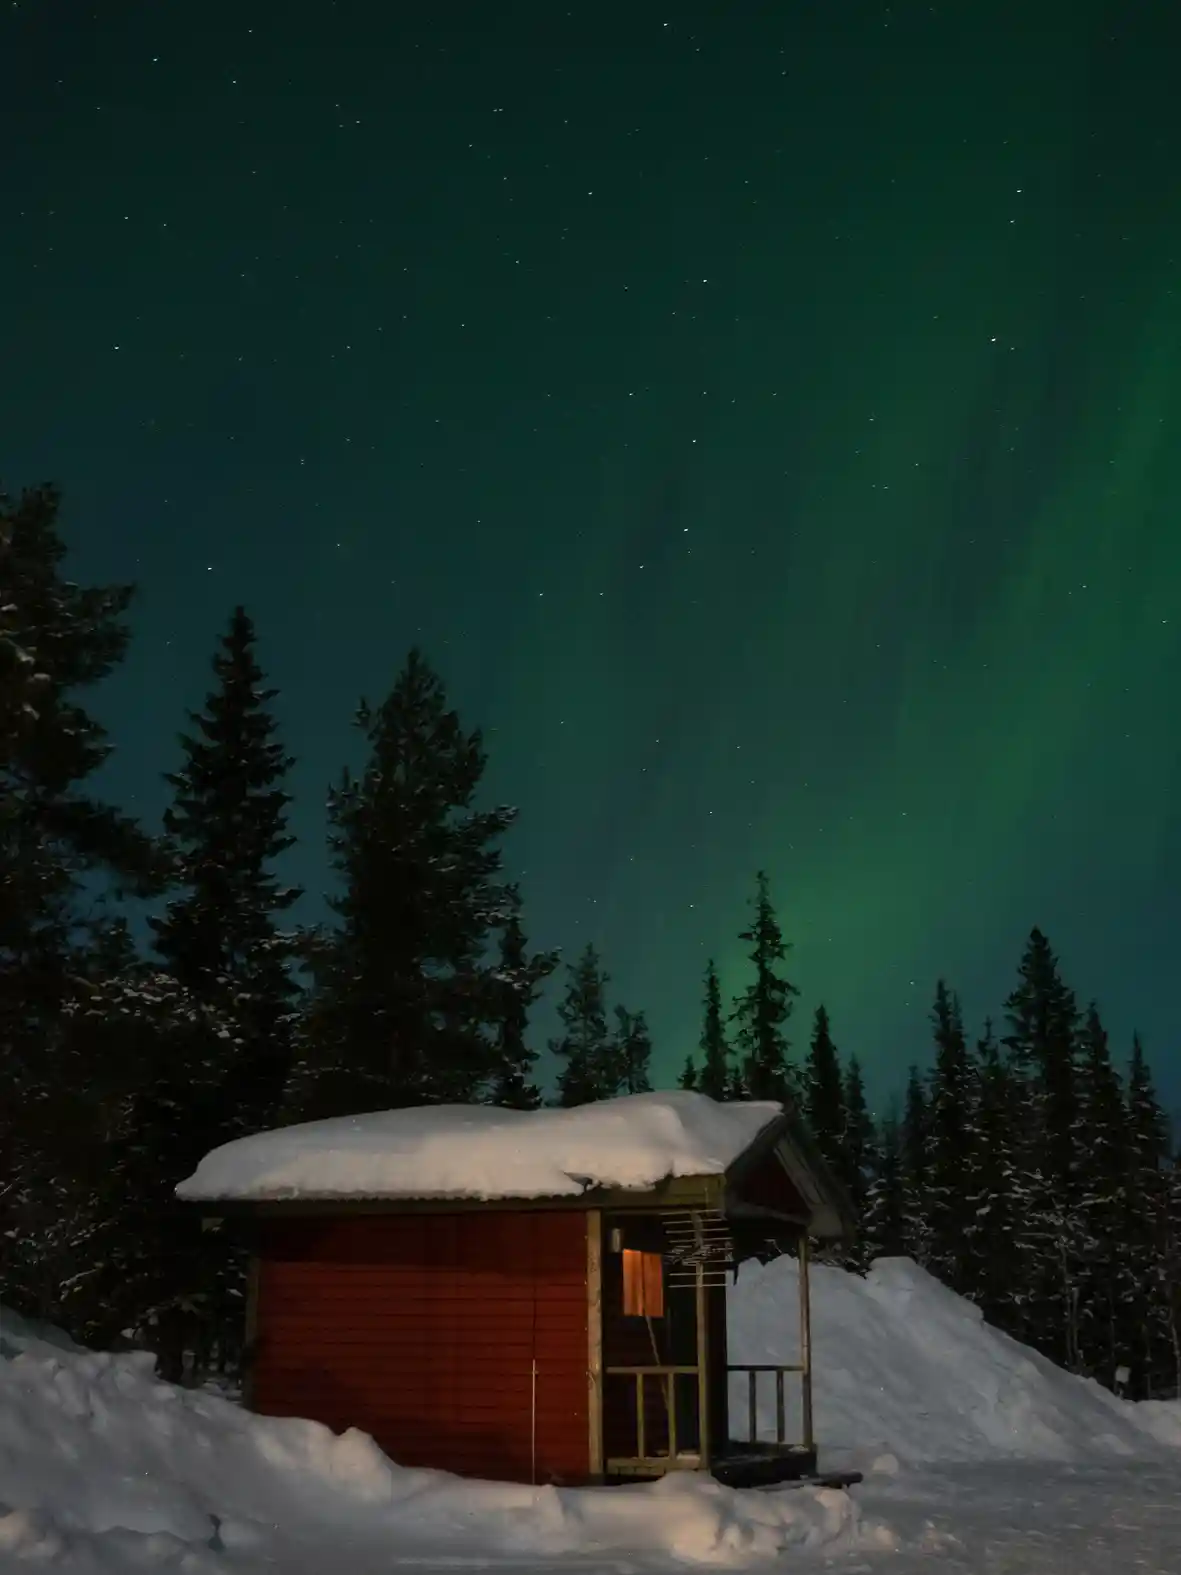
(766, 416)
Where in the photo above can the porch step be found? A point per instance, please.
(744, 1467)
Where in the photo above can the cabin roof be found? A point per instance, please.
(630, 1150)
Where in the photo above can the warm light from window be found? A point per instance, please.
(643, 1284)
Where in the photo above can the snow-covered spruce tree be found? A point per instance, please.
(586, 1050)
(914, 1134)
(950, 1144)
(1042, 1041)
(213, 1043)
(142, 1266)
(60, 847)
(883, 1231)
(715, 1075)
(761, 1012)
(997, 1230)
(522, 974)
(857, 1154)
(1111, 1305)
(220, 935)
(1146, 1232)
(408, 990)
(1042, 1038)
(1169, 1276)
(824, 1093)
(633, 1051)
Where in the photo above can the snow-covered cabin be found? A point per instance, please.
(534, 1296)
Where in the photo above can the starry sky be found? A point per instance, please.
(767, 416)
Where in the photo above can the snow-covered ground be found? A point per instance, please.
(980, 1458)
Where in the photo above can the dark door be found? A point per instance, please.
(649, 1326)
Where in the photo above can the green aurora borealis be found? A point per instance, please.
(768, 417)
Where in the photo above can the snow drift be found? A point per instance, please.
(904, 1365)
(105, 1469)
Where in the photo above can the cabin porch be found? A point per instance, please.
(669, 1397)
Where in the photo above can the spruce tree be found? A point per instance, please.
(916, 1167)
(824, 1093)
(407, 996)
(1110, 1305)
(1167, 1373)
(1145, 1229)
(883, 1233)
(716, 1074)
(1043, 1022)
(997, 1232)
(949, 1145)
(220, 937)
(586, 1048)
(856, 1153)
(523, 974)
(688, 1077)
(60, 849)
(763, 1009)
(139, 1264)
(633, 1052)
(1042, 1044)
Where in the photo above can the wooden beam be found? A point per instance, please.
(250, 1347)
(675, 1192)
(594, 1342)
(703, 1372)
(806, 1345)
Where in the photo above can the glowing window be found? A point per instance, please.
(643, 1284)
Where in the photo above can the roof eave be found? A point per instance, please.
(832, 1216)
(705, 1191)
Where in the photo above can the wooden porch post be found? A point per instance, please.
(703, 1371)
(250, 1345)
(594, 1342)
(805, 1345)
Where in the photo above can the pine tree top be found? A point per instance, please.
(227, 824)
(763, 1008)
(58, 638)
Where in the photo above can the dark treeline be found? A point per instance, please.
(1026, 1169)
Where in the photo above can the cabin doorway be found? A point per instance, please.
(662, 1352)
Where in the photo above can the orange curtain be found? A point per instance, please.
(643, 1284)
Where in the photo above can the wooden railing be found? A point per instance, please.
(752, 1371)
(668, 1376)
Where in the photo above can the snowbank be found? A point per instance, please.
(106, 1471)
(905, 1366)
(19, 1334)
(473, 1151)
(103, 1468)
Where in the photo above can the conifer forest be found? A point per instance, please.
(157, 998)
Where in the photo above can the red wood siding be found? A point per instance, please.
(423, 1329)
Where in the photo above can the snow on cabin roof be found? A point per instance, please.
(479, 1152)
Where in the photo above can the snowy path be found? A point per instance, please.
(1025, 1519)
(1002, 1519)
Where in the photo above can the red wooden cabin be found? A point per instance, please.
(576, 1337)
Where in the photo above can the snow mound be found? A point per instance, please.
(19, 1334)
(104, 1468)
(906, 1369)
(475, 1151)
